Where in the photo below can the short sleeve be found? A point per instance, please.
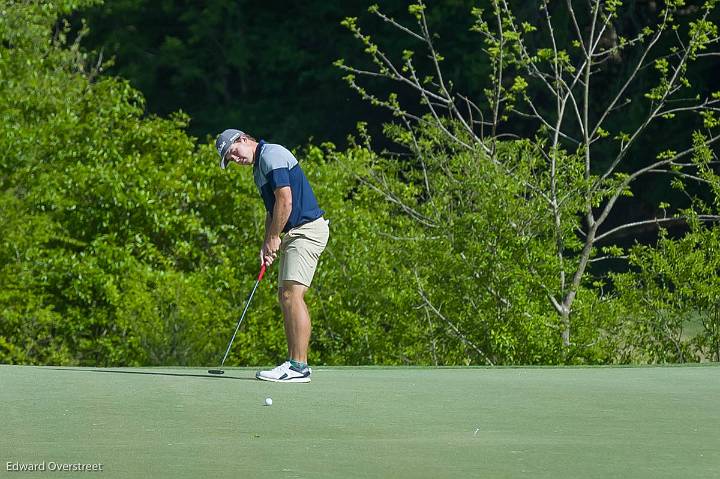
(278, 178)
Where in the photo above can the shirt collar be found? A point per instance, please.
(258, 150)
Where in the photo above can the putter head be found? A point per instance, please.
(216, 371)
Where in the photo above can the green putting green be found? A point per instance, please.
(595, 422)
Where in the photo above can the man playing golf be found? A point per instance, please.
(293, 212)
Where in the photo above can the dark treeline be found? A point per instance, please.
(263, 66)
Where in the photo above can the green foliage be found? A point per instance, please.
(473, 247)
(561, 186)
(120, 234)
(124, 244)
(672, 287)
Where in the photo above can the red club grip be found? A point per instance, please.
(262, 272)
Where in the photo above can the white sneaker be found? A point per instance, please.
(285, 373)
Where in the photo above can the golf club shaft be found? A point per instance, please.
(247, 304)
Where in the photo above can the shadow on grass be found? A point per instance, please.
(151, 373)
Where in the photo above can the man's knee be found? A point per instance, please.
(284, 296)
(290, 292)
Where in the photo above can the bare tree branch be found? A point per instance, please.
(653, 115)
(454, 328)
(657, 221)
(397, 25)
(393, 199)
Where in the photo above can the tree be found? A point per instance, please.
(548, 83)
(117, 236)
(671, 294)
(124, 244)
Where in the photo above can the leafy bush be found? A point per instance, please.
(671, 288)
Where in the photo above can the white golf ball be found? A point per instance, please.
(268, 401)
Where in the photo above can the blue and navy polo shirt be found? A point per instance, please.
(276, 167)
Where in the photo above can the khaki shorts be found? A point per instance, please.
(300, 250)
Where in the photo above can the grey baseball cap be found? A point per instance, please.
(223, 143)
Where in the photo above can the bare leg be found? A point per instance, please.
(296, 318)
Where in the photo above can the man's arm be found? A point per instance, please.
(281, 211)
(268, 222)
(274, 224)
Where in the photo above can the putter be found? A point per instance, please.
(219, 370)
